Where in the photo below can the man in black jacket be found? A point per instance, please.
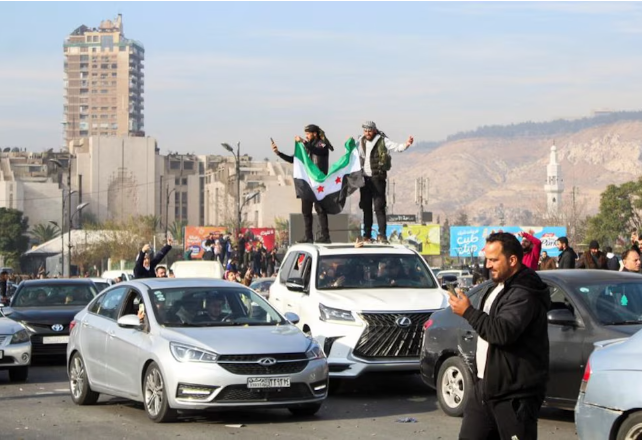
(317, 147)
(146, 265)
(512, 358)
(567, 257)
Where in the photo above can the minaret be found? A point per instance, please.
(554, 184)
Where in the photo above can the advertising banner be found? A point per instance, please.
(423, 238)
(195, 237)
(469, 241)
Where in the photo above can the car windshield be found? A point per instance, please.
(373, 271)
(212, 306)
(58, 295)
(261, 286)
(101, 286)
(613, 303)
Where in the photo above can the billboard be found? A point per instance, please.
(195, 237)
(423, 238)
(469, 241)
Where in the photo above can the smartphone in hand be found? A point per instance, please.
(451, 290)
(141, 307)
(272, 140)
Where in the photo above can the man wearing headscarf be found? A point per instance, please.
(374, 148)
(317, 146)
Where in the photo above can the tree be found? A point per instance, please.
(42, 233)
(445, 238)
(620, 212)
(13, 239)
(177, 228)
(282, 229)
(462, 219)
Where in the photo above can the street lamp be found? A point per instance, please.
(71, 219)
(237, 160)
(167, 212)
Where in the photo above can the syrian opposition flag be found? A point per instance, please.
(331, 191)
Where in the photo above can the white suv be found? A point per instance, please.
(365, 306)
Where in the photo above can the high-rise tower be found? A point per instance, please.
(103, 82)
(554, 184)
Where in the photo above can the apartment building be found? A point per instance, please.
(103, 82)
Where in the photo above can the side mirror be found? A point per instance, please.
(129, 321)
(292, 317)
(295, 284)
(561, 317)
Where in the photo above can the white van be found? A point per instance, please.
(198, 269)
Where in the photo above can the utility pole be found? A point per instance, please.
(422, 191)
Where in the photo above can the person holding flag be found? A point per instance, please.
(316, 148)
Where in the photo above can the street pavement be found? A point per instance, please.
(372, 407)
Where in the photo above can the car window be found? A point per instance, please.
(559, 299)
(131, 303)
(285, 267)
(373, 271)
(212, 306)
(95, 306)
(613, 303)
(301, 266)
(110, 305)
(54, 295)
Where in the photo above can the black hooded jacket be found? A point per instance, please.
(318, 152)
(567, 258)
(517, 334)
(141, 272)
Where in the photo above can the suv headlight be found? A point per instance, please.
(314, 352)
(330, 314)
(187, 353)
(19, 337)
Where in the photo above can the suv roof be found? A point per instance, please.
(349, 248)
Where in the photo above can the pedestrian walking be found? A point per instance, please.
(567, 257)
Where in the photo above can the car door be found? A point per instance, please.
(123, 349)
(302, 269)
(94, 329)
(566, 347)
(278, 291)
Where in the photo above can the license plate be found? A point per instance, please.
(55, 339)
(268, 382)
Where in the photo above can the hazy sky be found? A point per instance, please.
(227, 72)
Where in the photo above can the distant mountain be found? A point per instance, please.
(479, 170)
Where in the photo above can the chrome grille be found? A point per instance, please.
(247, 364)
(384, 338)
(241, 393)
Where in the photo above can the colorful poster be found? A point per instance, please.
(423, 238)
(469, 241)
(195, 237)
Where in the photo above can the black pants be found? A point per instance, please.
(373, 191)
(505, 419)
(306, 210)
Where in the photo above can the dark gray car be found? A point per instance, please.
(587, 306)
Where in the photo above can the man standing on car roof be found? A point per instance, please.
(146, 264)
(512, 357)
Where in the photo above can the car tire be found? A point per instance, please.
(18, 374)
(631, 428)
(454, 386)
(306, 410)
(155, 396)
(81, 392)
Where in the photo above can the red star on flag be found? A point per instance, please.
(338, 180)
(320, 189)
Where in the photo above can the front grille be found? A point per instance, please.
(39, 349)
(256, 369)
(256, 357)
(240, 393)
(383, 338)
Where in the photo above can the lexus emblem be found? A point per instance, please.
(57, 327)
(403, 322)
(267, 362)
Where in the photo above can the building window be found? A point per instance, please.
(184, 181)
(174, 165)
(177, 181)
(188, 165)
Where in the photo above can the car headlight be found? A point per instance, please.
(19, 337)
(187, 353)
(330, 314)
(314, 352)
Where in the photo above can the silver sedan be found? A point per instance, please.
(15, 348)
(193, 344)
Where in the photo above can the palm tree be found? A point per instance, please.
(176, 228)
(42, 233)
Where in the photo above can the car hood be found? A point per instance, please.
(9, 326)
(384, 299)
(241, 340)
(45, 315)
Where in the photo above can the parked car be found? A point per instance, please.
(587, 306)
(204, 344)
(102, 283)
(15, 348)
(262, 286)
(609, 405)
(366, 306)
(46, 307)
(198, 269)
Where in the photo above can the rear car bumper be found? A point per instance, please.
(594, 422)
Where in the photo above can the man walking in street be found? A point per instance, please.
(532, 247)
(512, 357)
(374, 152)
(593, 258)
(146, 264)
(567, 257)
(546, 262)
(612, 262)
(317, 147)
